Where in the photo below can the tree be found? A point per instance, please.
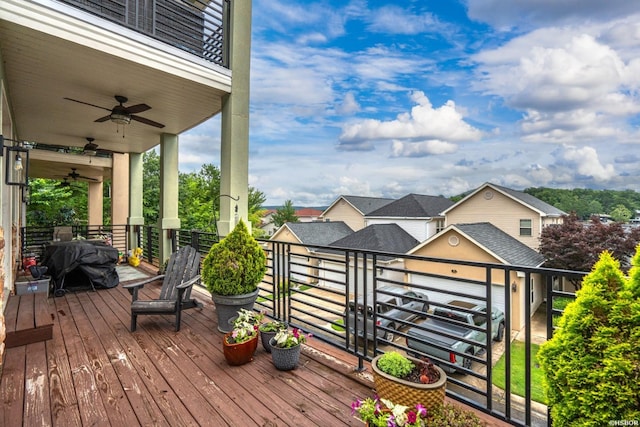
(591, 365)
(286, 213)
(52, 204)
(621, 214)
(573, 245)
(151, 187)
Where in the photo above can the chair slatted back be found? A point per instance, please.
(183, 265)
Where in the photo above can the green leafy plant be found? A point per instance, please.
(450, 415)
(395, 364)
(592, 363)
(290, 338)
(235, 265)
(383, 413)
(273, 326)
(245, 326)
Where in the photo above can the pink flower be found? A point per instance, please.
(422, 411)
(412, 417)
(355, 406)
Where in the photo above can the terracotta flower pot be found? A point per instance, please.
(240, 353)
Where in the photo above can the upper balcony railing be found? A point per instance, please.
(195, 26)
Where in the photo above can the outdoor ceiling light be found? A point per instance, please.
(120, 118)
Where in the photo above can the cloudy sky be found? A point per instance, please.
(386, 98)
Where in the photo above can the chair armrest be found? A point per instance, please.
(188, 283)
(143, 282)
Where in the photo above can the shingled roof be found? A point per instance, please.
(366, 204)
(531, 201)
(319, 233)
(501, 244)
(379, 237)
(413, 206)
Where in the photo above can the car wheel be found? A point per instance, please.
(500, 334)
(466, 362)
(425, 308)
(388, 335)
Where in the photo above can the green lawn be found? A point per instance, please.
(517, 372)
(338, 328)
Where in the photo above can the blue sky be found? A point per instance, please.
(382, 98)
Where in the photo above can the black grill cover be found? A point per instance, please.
(93, 260)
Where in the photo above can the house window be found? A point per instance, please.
(439, 225)
(525, 227)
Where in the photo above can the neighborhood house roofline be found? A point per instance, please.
(528, 200)
(512, 248)
(357, 202)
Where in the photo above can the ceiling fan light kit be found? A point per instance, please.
(122, 115)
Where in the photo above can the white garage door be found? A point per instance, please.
(444, 286)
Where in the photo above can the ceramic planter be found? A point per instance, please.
(227, 307)
(266, 336)
(284, 359)
(240, 353)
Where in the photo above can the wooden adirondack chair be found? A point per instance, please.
(180, 276)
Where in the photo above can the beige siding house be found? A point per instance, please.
(303, 266)
(352, 210)
(518, 214)
(484, 243)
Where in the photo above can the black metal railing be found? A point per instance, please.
(312, 288)
(195, 26)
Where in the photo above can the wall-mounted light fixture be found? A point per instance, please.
(236, 199)
(26, 198)
(514, 286)
(16, 163)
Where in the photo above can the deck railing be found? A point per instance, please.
(311, 287)
(195, 26)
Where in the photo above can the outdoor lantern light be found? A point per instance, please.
(16, 165)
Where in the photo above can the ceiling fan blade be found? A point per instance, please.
(86, 103)
(88, 178)
(147, 121)
(103, 119)
(137, 108)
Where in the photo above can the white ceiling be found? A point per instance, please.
(58, 56)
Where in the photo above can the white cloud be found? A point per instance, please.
(586, 162)
(421, 149)
(349, 104)
(424, 122)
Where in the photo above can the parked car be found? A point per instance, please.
(421, 340)
(394, 303)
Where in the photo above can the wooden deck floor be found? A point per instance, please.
(94, 372)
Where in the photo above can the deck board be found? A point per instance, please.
(94, 371)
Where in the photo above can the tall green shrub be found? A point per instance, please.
(235, 265)
(592, 363)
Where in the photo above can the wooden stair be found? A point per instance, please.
(28, 319)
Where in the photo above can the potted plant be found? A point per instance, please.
(384, 413)
(269, 330)
(231, 272)
(408, 381)
(285, 348)
(241, 342)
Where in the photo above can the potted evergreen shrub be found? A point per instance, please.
(408, 381)
(231, 272)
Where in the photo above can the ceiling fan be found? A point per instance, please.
(74, 175)
(91, 149)
(123, 115)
